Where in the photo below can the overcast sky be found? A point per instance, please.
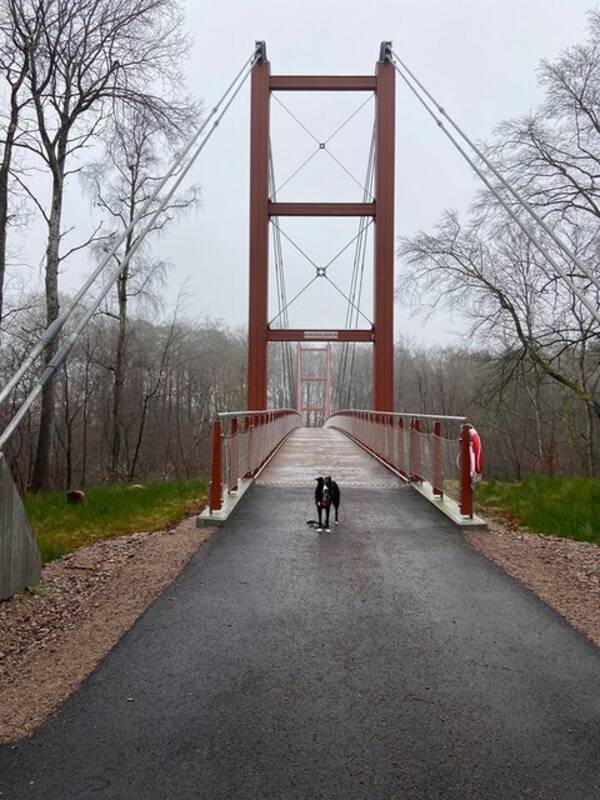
(478, 57)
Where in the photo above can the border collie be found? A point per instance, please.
(327, 494)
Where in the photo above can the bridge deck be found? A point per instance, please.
(310, 452)
(384, 660)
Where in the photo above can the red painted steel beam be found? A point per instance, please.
(383, 352)
(322, 209)
(259, 237)
(323, 83)
(313, 335)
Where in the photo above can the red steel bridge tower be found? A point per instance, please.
(380, 209)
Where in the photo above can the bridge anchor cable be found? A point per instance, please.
(178, 167)
(411, 80)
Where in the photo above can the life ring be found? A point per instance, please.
(476, 452)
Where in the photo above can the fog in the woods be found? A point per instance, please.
(484, 327)
(480, 58)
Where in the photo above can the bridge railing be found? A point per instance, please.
(243, 441)
(422, 448)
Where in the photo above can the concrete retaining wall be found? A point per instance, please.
(20, 562)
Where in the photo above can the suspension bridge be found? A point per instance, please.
(384, 660)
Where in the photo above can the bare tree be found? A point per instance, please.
(90, 59)
(136, 153)
(504, 287)
(14, 67)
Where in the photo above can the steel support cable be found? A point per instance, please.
(293, 243)
(595, 312)
(370, 177)
(507, 185)
(349, 118)
(337, 288)
(308, 258)
(323, 145)
(361, 243)
(366, 195)
(352, 316)
(299, 169)
(348, 173)
(297, 119)
(294, 298)
(276, 239)
(368, 223)
(57, 325)
(357, 281)
(355, 322)
(320, 272)
(281, 289)
(67, 346)
(360, 240)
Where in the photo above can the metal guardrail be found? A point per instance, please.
(420, 447)
(243, 441)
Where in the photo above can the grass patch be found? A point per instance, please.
(109, 511)
(41, 590)
(568, 507)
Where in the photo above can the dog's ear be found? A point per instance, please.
(318, 480)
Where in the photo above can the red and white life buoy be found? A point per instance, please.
(476, 452)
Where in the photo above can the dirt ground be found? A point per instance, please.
(52, 639)
(562, 572)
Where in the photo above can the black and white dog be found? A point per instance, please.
(327, 494)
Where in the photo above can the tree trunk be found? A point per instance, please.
(68, 431)
(140, 437)
(121, 354)
(590, 453)
(120, 361)
(4, 178)
(84, 435)
(41, 473)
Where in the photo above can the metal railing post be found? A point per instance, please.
(215, 486)
(401, 449)
(438, 482)
(415, 450)
(248, 426)
(234, 455)
(466, 488)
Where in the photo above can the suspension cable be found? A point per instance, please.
(503, 202)
(507, 185)
(322, 145)
(293, 300)
(345, 373)
(67, 346)
(281, 289)
(57, 325)
(344, 295)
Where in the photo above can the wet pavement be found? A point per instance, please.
(384, 661)
(310, 452)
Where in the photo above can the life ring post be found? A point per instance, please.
(466, 485)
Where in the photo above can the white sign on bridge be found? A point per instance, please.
(320, 335)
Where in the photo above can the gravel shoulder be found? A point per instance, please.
(564, 573)
(51, 640)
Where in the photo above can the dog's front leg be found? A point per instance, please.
(327, 511)
(320, 511)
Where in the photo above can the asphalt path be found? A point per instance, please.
(385, 661)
